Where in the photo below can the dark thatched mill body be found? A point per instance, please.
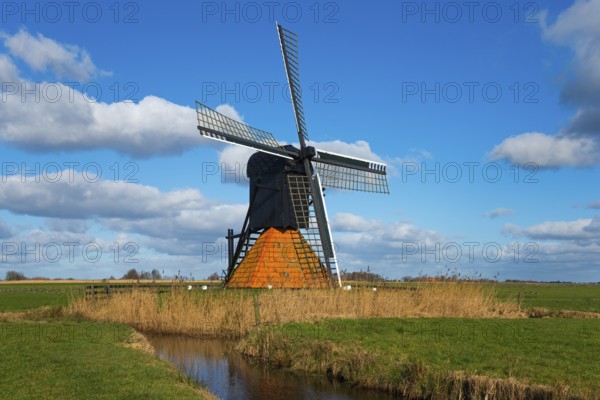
(270, 194)
(285, 240)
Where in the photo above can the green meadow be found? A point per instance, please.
(553, 296)
(82, 360)
(47, 354)
(50, 352)
(29, 296)
(559, 353)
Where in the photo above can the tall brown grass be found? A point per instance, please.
(232, 313)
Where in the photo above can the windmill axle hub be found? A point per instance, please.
(307, 152)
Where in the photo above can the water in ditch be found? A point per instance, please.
(216, 365)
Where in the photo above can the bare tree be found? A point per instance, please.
(15, 276)
(214, 277)
(131, 274)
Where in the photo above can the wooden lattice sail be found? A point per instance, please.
(280, 258)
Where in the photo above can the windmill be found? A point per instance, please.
(285, 239)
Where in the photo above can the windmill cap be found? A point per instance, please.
(265, 164)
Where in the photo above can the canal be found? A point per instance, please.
(216, 365)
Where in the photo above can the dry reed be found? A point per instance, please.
(232, 313)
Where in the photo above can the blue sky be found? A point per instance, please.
(485, 112)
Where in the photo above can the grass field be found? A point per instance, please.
(553, 296)
(25, 295)
(62, 358)
(562, 296)
(28, 296)
(85, 360)
(381, 352)
(419, 339)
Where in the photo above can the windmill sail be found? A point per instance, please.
(309, 209)
(350, 173)
(324, 230)
(216, 126)
(289, 49)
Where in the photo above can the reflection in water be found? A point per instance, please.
(215, 364)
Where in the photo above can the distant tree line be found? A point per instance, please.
(530, 281)
(362, 276)
(132, 274)
(135, 275)
(15, 276)
(446, 278)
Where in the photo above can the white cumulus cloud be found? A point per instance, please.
(576, 144)
(547, 150)
(55, 117)
(179, 216)
(154, 126)
(8, 70)
(358, 149)
(578, 28)
(347, 222)
(41, 53)
(576, 230)
(229, 111)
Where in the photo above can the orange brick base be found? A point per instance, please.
(281, 258)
